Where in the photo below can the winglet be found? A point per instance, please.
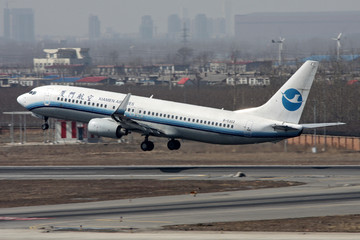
(120, 111)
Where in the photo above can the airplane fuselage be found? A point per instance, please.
(169, 119)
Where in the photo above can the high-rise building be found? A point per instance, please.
(146, 27)
(19, 24)
(174, 26)
(7, 32)
(94, 27)
(219, 28)
(201, 27)
(229, 18)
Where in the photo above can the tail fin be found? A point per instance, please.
(288, 102)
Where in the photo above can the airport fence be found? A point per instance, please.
(344, 142)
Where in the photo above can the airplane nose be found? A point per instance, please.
(22, 100)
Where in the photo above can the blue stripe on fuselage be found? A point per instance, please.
(160, 120)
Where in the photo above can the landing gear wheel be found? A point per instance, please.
(45, 126)
(173, 144)
(147, 145)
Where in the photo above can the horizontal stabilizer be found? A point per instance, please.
(317, 125)
(284, 128)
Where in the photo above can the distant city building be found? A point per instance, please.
(94, 28)
(300, 25)
(62, 58)
(174, 26)
(219, 28)
(201, 27)
(146, 28)
(229, 18)
(7, 24)
(19, 24)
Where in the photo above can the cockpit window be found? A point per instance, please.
(32, 92)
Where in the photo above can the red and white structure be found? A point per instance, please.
(71, 131)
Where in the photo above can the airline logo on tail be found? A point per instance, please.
(292, 99)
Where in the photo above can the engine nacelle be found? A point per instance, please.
(106, 127)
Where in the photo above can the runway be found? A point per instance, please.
(329, 190)
(164, 172)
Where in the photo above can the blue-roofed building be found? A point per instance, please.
(51, 76)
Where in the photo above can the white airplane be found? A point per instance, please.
(113, 115)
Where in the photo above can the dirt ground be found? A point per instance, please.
(37, 192)
(40, 192)
(348, 223)
(110, 152)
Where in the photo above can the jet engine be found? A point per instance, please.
(106, 127)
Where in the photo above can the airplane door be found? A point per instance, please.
(248, 128)
(47, 98)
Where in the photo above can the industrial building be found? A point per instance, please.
(60, 59)
(295, 25)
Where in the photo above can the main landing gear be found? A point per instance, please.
(173, 144)
(147, 145)
(45, 126)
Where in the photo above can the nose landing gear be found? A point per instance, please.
(45, 126)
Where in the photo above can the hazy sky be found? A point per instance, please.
(70, 17)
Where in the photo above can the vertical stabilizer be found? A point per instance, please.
(288, 102)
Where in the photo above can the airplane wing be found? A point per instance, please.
(317, 125)
(130, 124)
(119, 114)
